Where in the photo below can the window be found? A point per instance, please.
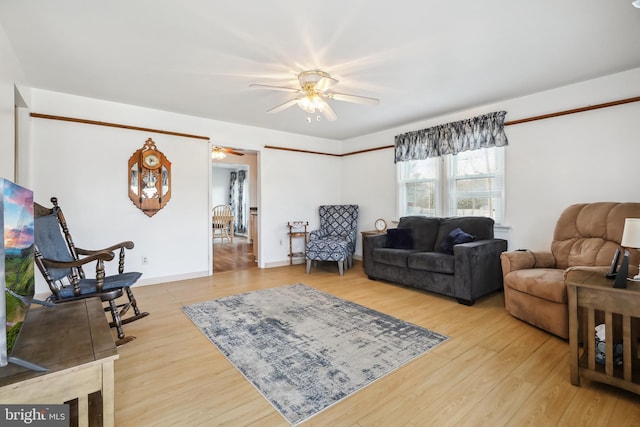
(469, 183)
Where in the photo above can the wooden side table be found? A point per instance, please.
(297, 229)
(594, 300)
(73, 340)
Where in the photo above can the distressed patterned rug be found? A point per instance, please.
(304, 349)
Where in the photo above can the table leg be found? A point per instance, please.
(83, 411)
(573, 335)
(108, 391)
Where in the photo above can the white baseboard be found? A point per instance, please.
(283, 263)
(164, 279)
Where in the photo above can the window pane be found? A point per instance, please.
(470, 183)
(475, 162)
(482, 185)
(477, 184)
(420, 169)
(476, 206)
(420, 197)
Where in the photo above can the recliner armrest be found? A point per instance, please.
(595, 268)
(520, 260)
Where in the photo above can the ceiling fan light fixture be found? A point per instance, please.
(217, 153)
(314, 93)
(306, 104)
(311, 103)
(311, 77)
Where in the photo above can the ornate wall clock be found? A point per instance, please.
(149, 178)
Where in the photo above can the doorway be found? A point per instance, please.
(234, 183)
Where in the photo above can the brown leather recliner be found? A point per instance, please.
(586, 234)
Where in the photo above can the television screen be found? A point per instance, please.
(17, 282)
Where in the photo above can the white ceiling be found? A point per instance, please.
(421, 58)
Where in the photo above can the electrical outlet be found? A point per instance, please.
(280, 242)
(145, 259)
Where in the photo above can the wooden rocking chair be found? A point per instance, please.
(59, 261)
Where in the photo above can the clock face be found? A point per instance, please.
(381, 225)
(151, 161)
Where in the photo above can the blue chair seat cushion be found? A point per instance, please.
(90, 286)
(328, 249)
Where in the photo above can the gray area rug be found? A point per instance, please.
(304, 349)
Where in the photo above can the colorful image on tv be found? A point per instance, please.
(17, 208)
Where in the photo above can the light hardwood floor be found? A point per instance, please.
(233, 256)
(494, 370)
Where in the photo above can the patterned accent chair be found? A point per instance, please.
(336, 238)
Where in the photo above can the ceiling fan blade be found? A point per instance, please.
(271, 87)
(328, 112)
(353, 98)
(227, 150)
(234, 152)
(283, 106)
(325, 84)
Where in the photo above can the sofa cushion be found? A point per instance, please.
(399, 238)
(456, 237)
(390, 256)
(434, 262)
(479, 226)
(545, 283)
(423, 231)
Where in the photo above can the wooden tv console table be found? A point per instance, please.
(73, 340)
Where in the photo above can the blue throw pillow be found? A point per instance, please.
(456, 237)
(399, 238)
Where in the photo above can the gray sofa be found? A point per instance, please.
(472, 271)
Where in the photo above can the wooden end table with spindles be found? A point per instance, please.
(593, 300)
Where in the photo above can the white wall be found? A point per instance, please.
(297, 184)
(85, 167)
(552, 163)
(11, 77)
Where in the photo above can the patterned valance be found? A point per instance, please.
(452, 138)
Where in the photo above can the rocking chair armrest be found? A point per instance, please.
(102, 255)
(127, 245)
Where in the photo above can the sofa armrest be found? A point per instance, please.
(477, 268)
(520, 260)
(368, 245)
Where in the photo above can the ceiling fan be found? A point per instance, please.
(219, 153)
(313, 94)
